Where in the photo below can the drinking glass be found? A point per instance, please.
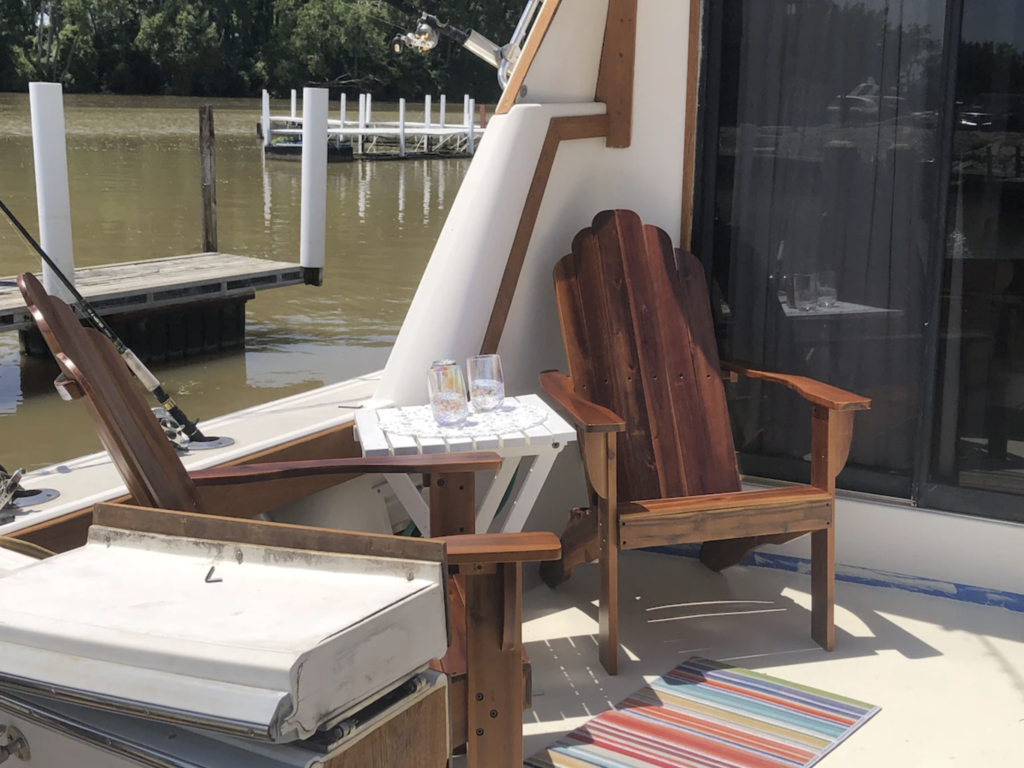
(828, 293)
(447, 390)
(486, 384)
(805, 292)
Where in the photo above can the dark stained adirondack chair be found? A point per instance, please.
(486, 586)
(647, 396)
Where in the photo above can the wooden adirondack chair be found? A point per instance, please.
(486, 655)
(646, 394)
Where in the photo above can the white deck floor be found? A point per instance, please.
(948, 675)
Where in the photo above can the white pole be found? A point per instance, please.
(401, 127)
(53, 198)
(313, 221)
(428, 107)
(369, 106)
(470, 136)
(444, 106)
(266, 118)
(295, 112)
(344, 109)
(465, 109)
(362, 119)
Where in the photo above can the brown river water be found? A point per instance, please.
(134, 174)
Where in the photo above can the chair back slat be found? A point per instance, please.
(144, 457)
(636, 322)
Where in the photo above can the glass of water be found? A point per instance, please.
(447, 390)
(486, 383)
(805, 291)
(828, 293)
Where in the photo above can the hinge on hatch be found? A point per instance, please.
(14, 744)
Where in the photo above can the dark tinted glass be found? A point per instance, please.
(823, 235)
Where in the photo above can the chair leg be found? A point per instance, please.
(823, 587)
(608, 607)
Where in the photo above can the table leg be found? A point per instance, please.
(495, 493)
(523, 503)
(407, 492)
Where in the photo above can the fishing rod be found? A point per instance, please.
(196, 439)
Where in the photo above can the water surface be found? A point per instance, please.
(134, 173)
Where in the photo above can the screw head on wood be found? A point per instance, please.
(479, 697)
(479, 731)
(494, 713)
(440, 482)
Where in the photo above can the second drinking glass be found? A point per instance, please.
(486, 383)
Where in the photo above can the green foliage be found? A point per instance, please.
(238, 47)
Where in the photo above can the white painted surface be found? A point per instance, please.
(53, 197)
(565, 68)
(286, 639)
(313, 224)
(12, 561)
(947, 675)
(266, 118)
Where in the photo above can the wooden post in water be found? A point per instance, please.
(483, 115)
(208, 178)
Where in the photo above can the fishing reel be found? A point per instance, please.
(173, 431)
(10, 486)
(424, 38)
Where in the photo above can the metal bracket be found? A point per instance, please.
(16, 745)
(14, 497)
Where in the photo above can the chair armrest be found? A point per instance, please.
(441, 463)
(830, 397)
(587, 416)
(475, 549)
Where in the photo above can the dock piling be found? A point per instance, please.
(53, 198)
(471, 129)
(208, 178)
(343, 111)
(444, 107)
(401, 127)
(295, 112)
(313, 216)
(266, 118)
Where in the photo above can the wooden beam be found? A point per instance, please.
(616, 74)
(533, 43)
(560, 129)
(690, 129)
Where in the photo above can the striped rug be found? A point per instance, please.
(704, 714)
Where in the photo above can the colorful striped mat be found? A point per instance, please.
(704, 714)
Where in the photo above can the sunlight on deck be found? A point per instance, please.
(948, 675)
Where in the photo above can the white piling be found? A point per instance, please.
(471, 133)
(53, 198)
(362, 119)
(344, 109)
(313, 222)
(369, 106)
(428, 107)
(266, 118)
(401, 127)
(295, 112)
(444, 106)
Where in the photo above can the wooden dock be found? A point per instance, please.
(164, 308)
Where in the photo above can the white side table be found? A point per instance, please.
(542, 444)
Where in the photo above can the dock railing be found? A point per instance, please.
(370, 136)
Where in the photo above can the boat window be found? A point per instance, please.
(979, 412)
(818, 217)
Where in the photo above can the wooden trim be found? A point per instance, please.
(616, 75)
(690, 129)
(533, 43)
(263, 534)
(560, 129)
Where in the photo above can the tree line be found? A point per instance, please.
(238, 47)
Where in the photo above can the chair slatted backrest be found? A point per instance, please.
(638, 332)
(127, 428)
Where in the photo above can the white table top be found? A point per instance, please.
(555, 431)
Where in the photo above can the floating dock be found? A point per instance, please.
(164, 309)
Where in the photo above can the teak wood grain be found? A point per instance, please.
(617, 71)
(414, 738)
(637, 326)
(693, 59)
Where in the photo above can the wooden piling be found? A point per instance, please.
(208, 178)
(483, 116)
